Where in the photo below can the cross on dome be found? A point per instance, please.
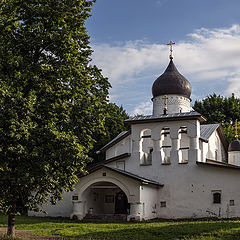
(236, 127)
(171, 43)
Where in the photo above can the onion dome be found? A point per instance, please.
(171, 82)
(234, 146)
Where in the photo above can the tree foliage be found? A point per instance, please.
(114, 124)
(219, 109)
(51, 100)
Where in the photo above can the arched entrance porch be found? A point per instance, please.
(101, 200)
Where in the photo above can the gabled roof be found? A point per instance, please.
(207, 130)
(112, 159)
(117, 139)
(166, 117)
(131, 175)
(127, 174)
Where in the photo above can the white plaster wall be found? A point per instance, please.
(124, 146)
(62, 209)
(175, 104)
(204, 150)
(214, 144)
(149, 201)
(114, 164)
(187, 187)
(188, 191)
(152, 171)
(234, 158)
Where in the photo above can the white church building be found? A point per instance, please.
(170, 165)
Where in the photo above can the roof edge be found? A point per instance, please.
(214, 163)
(200, 117)
(107, 146)
(127, 174)
(119, 157)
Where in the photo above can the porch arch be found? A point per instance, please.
(122, 186)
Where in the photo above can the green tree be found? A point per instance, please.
(51, 101)
(219, 109)
(114, 124)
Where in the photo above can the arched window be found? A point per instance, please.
(147, 147)
(166, 145)
(217, 197)
(184, 144)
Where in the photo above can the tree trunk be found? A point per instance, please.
(11, 225)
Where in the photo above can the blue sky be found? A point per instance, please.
(129, 41)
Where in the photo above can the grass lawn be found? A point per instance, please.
(68, 229)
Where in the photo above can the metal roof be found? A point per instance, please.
(162, 117)
(207, 130)
(142, 179)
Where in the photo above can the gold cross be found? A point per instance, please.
(236, 127)
(171, 43)
(165, 102)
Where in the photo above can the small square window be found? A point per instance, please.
(231, 202)
(217, 197)
(163, 204)
(104, 174)
(74, 198)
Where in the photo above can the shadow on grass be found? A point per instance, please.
(170, 231)
(35, 220)
(66, 228)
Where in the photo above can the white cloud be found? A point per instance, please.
(209, 55)
(143, 108)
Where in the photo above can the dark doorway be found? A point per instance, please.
(121, 203)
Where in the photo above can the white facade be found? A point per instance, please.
(168, 166)
(191, 176)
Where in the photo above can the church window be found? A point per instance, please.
(184, 144)
(165, 145)
(163, 204)
(147, 147)
(231, 202)
(216, 155)
(216, 197)
(104, 174)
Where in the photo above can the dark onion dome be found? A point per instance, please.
(234, 146)
(171, 82)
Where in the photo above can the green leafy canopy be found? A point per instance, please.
(51, 99)
(219, 109)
